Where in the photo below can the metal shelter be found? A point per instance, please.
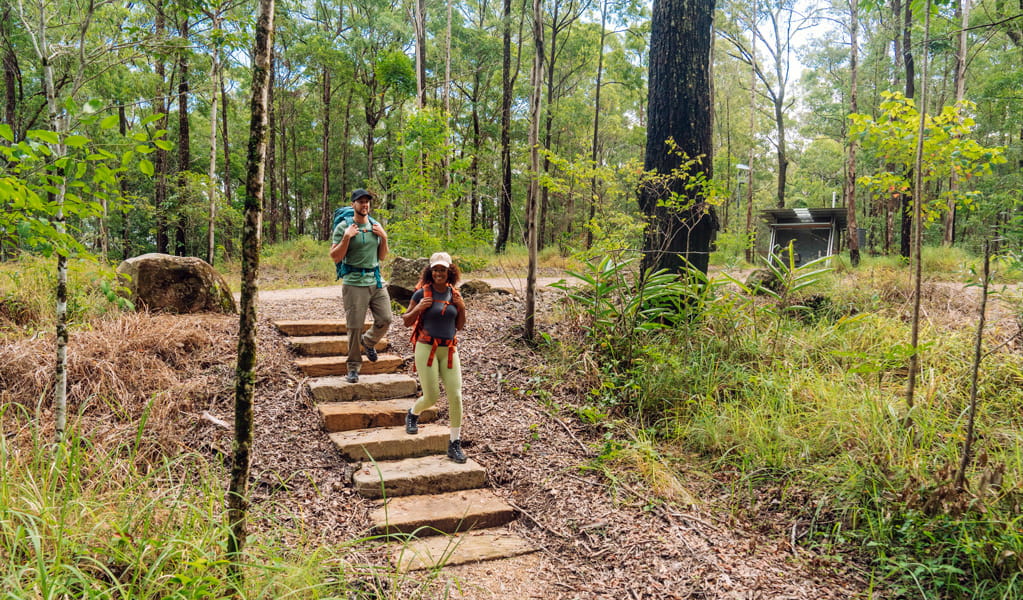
(814, 232)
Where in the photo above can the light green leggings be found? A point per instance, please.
(430, 378)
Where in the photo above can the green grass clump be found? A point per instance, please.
(81, 520)
(807, 401)
(28, 294)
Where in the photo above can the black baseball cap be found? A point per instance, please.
(359, 193)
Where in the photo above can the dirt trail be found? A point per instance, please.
(600, 537)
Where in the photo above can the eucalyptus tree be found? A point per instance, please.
(477, 78)
(245, 373)
(682, 223)
(69, 54)
(384, 74)
(508, 77)
(560, 20)
(773, 27)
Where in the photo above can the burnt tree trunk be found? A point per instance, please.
(679, 109)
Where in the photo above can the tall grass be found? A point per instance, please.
(79, 520)
(28, 293)
(812, 404)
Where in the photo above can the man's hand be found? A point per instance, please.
(352, 231)
(379, 231)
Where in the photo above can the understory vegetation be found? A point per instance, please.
(790, 398)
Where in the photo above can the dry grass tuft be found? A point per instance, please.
(173, 366)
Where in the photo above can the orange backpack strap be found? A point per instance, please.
(419, 336)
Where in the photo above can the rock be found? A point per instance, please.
(405, 274)
(175, 284)
(475, 287)
(762, 278)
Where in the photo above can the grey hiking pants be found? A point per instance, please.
(357, 299)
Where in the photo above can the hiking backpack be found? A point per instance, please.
(417, 329)
(347, 214)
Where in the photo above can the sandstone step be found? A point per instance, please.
(384, 443)
(364, 414)
(426, 475)
(320, 366)
(473, 546)
(327, 345)
(442, 513)
(370, 387)
(315, 327)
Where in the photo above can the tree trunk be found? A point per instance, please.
(910, 65)
(419, 27)
(237, 499)
(963, 9)
(536, 83)
(271, 158)
(849, 189)
(325, 213)
(122, 128)
(184, 143)
(224, 106)
(918, 225)
(162, 159)
(211, 247)
(504, 211)
(679, 109)
(594, 183)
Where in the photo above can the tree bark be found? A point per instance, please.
(184, 143)
(247, 345)
(325, 212)
(536, 83)
(849, 189)
(211, 247)
(679, 109)
(963, 8)
(161, 159)
(504, 211)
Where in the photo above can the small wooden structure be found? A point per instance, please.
(815, 232)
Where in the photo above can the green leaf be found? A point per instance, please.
(163, 144)
(43, 135)
(146, 167)
(6, 132)
(76, 141)
(109, 122)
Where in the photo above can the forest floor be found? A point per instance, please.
(601, 530)
(606, 525)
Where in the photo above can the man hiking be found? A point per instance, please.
(358, 245)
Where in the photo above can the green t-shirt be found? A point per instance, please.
(362, 252)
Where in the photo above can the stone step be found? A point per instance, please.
(315, 327)
(411, 476)
(370, 387)
(320, 366)
(473, 546)
(385, 443)
(367, 414)
(327, 345)
(452, 512)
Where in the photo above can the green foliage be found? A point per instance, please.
(28, 293)
(88, 170)
(806, 414)
(427, 189)
(81, 520)
(947, 150)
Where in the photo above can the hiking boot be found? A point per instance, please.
(455, 451)
(411, 423)
(370, 351)
(353, 376)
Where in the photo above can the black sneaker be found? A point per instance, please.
(353, 376)
(455, 451)
(411, 423)
(370, 351)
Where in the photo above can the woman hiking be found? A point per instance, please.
(437, 312)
